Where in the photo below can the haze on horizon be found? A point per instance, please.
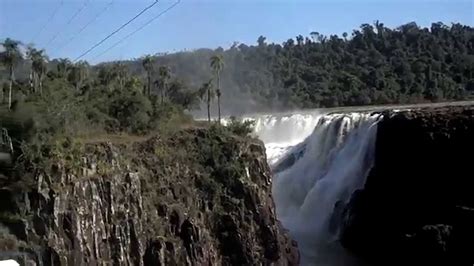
(196, 24)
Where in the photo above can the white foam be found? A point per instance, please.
(338, 153)
(9, 263)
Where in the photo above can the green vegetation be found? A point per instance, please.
(217, 63)
(210, 155)
(373, 65)
(240, 128)
(10, 58)
(206, 89)
(61, 102)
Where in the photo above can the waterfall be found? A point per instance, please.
(281, 133)
(319, 160)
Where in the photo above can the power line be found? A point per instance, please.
(117, 30)
(139, 29)
(86, 2)
(48, 21)
(87, 25)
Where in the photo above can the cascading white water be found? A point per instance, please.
(281, 133)
(328, 165)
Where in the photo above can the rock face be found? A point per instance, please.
(196, 198)
(417, 207)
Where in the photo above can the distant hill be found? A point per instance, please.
(373, 65)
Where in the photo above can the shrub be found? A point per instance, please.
(240, 127)
(132, 111)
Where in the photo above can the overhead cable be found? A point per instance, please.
(139, 29)
(86, 2)
(48, 21)
(87, 24)
(115, 31)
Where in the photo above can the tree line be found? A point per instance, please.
(42, 100)
(372, 65)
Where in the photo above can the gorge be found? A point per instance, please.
(315, 176)
(367, 185)
(350, 187)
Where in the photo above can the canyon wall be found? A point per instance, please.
(417, 207)
(199, 197)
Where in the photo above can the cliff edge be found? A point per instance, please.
(417, 207)
(198, 197)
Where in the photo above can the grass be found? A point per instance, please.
(127, 138)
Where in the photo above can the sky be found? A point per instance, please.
(193, 24)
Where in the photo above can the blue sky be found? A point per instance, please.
(206, 23)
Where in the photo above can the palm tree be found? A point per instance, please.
(207, 89)
(104, 75)
(345, 36)
(119, 71)
(9, 57)
(315, 36)
(147, 63)
(30, 51)
(39, 66)
(63, 67)
(217, 64)
(165, 75)
(78, 73)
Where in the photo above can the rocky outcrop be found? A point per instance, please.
(195, 198)
(417, 207)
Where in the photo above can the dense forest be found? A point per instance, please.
(373, 65)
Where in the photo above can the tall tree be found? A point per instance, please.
(105, 75)
(206, 89)
(344, 35)
(9, 57)
(62, 68)
(39, 66)
(78, 74)
(165, 75)
(30, 51)
(217, 64)
(120, 74)
(147, 63)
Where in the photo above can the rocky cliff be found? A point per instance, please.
(199, 197)
(417, 207)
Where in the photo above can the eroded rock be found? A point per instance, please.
(192, 199)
